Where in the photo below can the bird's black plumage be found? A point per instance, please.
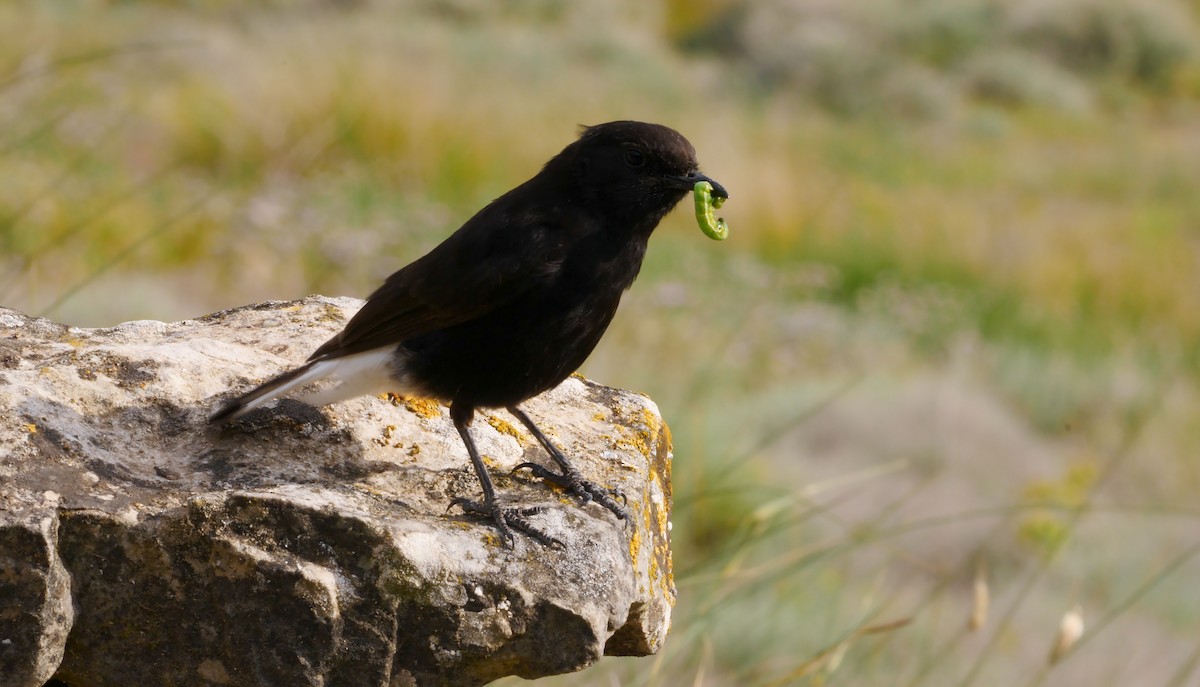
(515, 300)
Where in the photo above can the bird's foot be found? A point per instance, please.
(508, 519)
(583, 489)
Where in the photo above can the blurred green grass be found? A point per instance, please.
(963, 273)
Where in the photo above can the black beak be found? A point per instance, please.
(690, 180)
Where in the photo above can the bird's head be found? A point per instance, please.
(642, 169)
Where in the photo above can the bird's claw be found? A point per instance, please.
(586, 491)
(508, 519)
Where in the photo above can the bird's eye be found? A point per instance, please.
(634, 158)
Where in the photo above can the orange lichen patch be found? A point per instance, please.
(651, 431)
(641, 436)
(660, 462)
(633, 440)
(621, 443)
(635, 545)
(505, 428)
(422, 407)
(31, 428)
(643, 441)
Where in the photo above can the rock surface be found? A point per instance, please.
(304, 546)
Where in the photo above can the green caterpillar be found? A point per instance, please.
(712, 227)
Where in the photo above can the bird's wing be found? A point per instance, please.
(488, 262)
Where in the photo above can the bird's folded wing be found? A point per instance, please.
(487, 263)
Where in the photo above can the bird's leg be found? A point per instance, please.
(506, 519)
(570, 479)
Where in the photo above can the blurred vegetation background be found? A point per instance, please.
(938, 390)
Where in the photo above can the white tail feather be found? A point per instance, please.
(355, 375)
(372, 372)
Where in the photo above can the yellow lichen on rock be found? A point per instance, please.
(505, 428)
(423, 407)
(635, 545)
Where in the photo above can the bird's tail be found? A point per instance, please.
(358, 374)
(270, 390)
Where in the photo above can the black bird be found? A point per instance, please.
(514, 301)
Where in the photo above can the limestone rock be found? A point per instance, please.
(35, 600)
(304, 546)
